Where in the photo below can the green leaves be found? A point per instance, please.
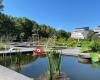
(54, 61)
(95, 45)
(10, 25)
(95, 57)
(1, 5)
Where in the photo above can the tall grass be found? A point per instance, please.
(54, 61)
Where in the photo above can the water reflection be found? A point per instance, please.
(35, 66)
(95, 65)
(88, 61)
(17, 61)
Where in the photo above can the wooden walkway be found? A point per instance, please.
(24, 49)
(7, 74)
(67, 51)
(17, 49)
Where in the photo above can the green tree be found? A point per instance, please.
(95, 45)
(1, 5)
(63, 34)
(6, 25)
(92, 35)
(24, 25)
(15, 26)
(72, 42)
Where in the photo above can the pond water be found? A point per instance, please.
(36, 66)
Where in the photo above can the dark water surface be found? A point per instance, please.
(36, 66)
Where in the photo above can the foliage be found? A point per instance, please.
(91, 35)
(95, 57)
(15, 26)
(51, 41)
(85, 43)
(1, 5)
(5, 42)
(85, 46)
(83, 49)
(63, 34)
(61, 42)
(95, 45)
(72, 42)
(54, 60)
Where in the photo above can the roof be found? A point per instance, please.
(86, 28)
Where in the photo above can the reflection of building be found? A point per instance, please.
(80, 33)
(97, 31)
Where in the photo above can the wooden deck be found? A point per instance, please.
(67, 51)
(8, 74)
(17, 49)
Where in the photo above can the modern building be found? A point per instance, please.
(80, 33)
(97, 31)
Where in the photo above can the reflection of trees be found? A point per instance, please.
(95, 65)
(17, 61)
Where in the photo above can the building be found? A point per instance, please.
(97, 31)
(80, 33)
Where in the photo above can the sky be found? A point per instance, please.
(60, 14)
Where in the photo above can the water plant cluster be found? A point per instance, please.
(54, 61)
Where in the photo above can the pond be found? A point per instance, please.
(36, 66)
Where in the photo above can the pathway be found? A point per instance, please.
(7, 74)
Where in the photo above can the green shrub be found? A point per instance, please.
(71, 42)
(61, 42)
(95, 45)
(95, 57)
(85, 46)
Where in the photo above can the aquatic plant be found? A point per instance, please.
(54, 58)
(54, 63)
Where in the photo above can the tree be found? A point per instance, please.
(6, 25)
(91, 35)
(1, 5)
(95, 45)
(15, 26)
(24, 25)
(63, 34)
(71, 42)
